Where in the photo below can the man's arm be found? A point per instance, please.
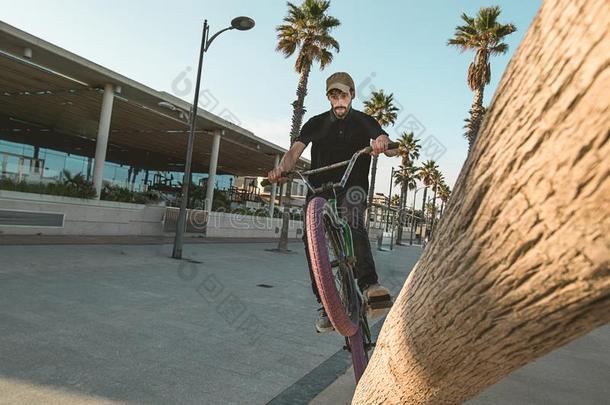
(288, 161)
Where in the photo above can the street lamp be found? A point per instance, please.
(413, 215)
(240, 24)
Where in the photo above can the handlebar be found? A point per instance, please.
(266, 182)
(367, 150)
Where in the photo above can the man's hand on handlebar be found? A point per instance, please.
(275, 175)
(380, 144)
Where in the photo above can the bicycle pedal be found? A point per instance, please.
(380, 299)
(381, 305)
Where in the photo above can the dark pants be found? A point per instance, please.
(351, 206)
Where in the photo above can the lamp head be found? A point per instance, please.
(242, 23)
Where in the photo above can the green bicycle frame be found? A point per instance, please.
(347, 232)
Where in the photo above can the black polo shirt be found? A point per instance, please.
(334, 140)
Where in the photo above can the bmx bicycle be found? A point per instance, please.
(331, 250)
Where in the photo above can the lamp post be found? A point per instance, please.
(413, 215)
(238, 23)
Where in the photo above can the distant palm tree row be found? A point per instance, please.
(407, 177)
(381, 107)
(306, 32)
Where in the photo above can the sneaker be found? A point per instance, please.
(323, 324)
(378, 300)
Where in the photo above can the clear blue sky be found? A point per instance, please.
(399, 45)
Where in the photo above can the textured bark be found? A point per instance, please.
(520, 263)
(476, 116)
(299, 103)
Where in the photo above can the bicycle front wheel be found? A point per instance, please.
(359, 354)
(336, 287)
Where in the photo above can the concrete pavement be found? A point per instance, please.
(578, 373)
(117, 324)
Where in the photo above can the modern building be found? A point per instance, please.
(59, 111)
(380, 198)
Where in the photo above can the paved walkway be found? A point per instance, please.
(577, 373)
(126, 324)
(17, 240)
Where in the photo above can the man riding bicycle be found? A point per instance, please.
(335, 136)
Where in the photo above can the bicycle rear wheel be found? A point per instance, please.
(336, 288)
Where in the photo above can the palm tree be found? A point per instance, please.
(78, 185)
(381, 107)
(409, 147)
(426, 175)
(444, 192)
(437, 179)
(409, 152)
(306, 32)
(484, 35)
(406, 177)
(430, 210)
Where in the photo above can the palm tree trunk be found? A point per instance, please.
(401, 213)
(297, 120)
(372, 188)
(520, 264)
(408, 213)
(476, 115)
(405, 204)
(433, 211)
(423, 213)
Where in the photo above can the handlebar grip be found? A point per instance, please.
(391, 145)
(266, 182)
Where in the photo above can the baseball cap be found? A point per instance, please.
(341, 81)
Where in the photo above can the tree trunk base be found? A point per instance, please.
(520, 263)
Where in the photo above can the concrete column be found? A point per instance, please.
(89, 164)
(145, 181)
(101, 144)
(4, 165)
(273, 188)
(209, 195)
(35, 164)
